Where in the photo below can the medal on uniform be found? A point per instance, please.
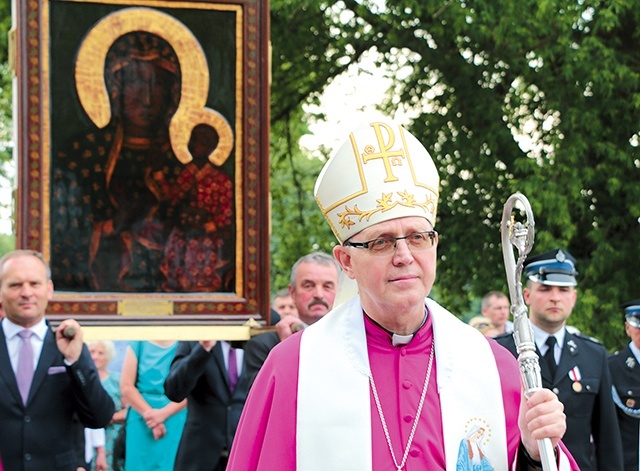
(575, 376)
(630, 402)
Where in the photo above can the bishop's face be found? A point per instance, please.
(396, 284)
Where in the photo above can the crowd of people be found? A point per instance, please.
(572, 365)
(599, 391)
(388, 369)
(383, 379)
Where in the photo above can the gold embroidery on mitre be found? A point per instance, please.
(389, 157)
(385, 203)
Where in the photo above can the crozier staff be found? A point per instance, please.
(389, 379)
(572, 365)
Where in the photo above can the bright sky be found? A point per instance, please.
(347, 101)
(5, 212)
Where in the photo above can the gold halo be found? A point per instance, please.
(92, 89)
(184, 127)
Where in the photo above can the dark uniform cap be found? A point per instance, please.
(554, 268)
(632, 312)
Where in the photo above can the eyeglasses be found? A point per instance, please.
(416, 241)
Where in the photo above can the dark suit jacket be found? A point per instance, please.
(212, 411)
(41, 435)
(274, 317)
(587, 405)
(625, 374)
(255, 353)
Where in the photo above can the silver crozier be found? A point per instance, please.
(520, 235)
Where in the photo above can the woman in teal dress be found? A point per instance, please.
(154, 424)
(102, 352)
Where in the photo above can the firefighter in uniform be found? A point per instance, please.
(625, 374)
(572, 365)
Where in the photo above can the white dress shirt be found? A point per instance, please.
(11, 332)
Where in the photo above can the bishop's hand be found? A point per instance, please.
(541, 416)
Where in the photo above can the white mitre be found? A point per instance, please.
(381, 172)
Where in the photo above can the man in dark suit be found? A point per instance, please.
(209, 374)
(313, 285)
(572, 365)
(45, 377)
(625, 374)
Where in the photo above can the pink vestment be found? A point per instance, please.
(266, 436)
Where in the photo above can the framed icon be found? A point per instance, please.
(143, 158)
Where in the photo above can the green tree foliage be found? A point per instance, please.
(5, 24)
(5, 80)
(7, 243)
(308, 51)
(298, 227)
(541, 97)
(5, 103)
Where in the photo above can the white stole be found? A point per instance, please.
(334, 411)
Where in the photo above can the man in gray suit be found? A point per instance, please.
(313, 286)
(47, 379)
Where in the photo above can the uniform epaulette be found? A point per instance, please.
(587, 337)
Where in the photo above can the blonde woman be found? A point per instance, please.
(102, 353)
